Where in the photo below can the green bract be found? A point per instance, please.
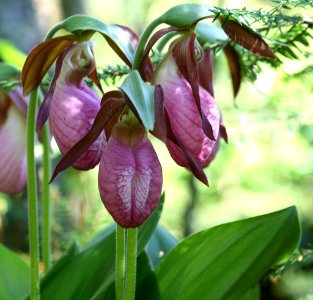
(78, 24)
(141, 95)
(186, 15)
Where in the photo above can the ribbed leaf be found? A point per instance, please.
(224, 262)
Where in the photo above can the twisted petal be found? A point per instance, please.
(13, 151)
(130, 180)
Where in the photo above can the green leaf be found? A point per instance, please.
(14, 276)
(226, 261)
(11, 54)
(91, 271)
(160, 243)
(8, 71)
(210, 33)
(80, 23)
(141, 96)
(186, 15)
(146, 283)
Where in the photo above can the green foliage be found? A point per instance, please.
(226, 261)
(9, 53)
(186, 15)
(14, 276)
(288, 34)
(141, 96)
(81, 24)
(91, 271)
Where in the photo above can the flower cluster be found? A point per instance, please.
(109, 131)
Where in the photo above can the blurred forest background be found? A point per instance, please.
(266, 166)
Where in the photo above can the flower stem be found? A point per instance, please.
(120, 264)
(53, 31)
(32, 199)
(130, 263)
(46, 203)
(143, 41)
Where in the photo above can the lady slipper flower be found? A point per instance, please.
(13, 108)
(130, 175)
(73, 105)
(193, 115)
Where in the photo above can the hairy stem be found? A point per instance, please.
(120, 263)
(131, 263)
(32, 199)
(46, 203)
(143, 41)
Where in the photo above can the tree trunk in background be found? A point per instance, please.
(18, 23)
(72, 7)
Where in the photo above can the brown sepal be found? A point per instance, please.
(118, 51)
(205, 67)
(194, 165)
(223, 133)
(234, 67)
(93, 75)
(159, 129)
(145, 67)
(40, 59)
(114, 101)
(247, 38)
(185, 58)
(110, 108)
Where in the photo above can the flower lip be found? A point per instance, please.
(130, 176)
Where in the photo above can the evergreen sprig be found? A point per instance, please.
(287, 35)
(8, 85)
(110, 74)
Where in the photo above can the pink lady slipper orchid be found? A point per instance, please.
(13, 108)
(193, 115)
(130, 175)
(73, 105)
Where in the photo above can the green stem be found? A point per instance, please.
(120, 264)
(143, 41)
(53, 30)
(32, 199)
(131, 263)
(46, 203)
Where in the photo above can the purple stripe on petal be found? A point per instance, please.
(13, 152)
(130, 180)
(72, 114)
